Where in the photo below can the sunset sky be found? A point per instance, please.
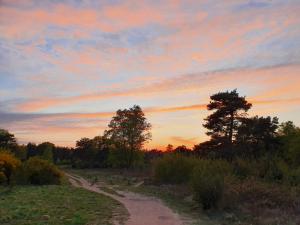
(67, 66)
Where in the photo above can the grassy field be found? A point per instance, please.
(64, 204)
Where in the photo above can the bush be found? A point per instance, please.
(8, 167)
(173, 169)
(2, 178)
(208, 183)
(278, 171)
(125, 158)
(40, 172)
(293, 177)
(80, 164)
(262, 194)
(243, 168)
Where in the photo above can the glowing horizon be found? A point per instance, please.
(66, 67)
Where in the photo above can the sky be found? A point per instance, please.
(67, 66)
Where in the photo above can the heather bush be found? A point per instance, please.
(207, 182)
(40, 172)
(8, 167)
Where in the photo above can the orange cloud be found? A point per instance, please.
(27, 22)
(186, 83)
(276, 101)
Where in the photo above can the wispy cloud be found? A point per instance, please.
(185, 83)
(169, 57)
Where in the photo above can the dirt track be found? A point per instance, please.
(143, 210)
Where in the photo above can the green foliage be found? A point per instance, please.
(45, 151)
(128, 130)
(289, 136)
(207, 182)
(91, 153)
(85, 153)
(20, 152)
(7, 140)
(257, 136)
(276, 170)
(273, 170)
(294, 150)
(244, 168)
(122, 157)
(293, 177)
(40, 172)
(8, 166)
(173, 169)
(281, 172)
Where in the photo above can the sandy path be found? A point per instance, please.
(143, 210)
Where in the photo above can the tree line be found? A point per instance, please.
(233, 134)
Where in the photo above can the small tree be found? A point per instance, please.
(8, 165)
(7, 140)
(45, 151)
(289, 136)
(258, 133)
(129, 130)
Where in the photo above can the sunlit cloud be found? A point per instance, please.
(187, 83)
(66, 67)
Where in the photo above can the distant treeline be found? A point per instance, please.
(233, 135)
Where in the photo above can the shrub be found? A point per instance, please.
(40, 172)
(262, 194)
(125, 158)
(173, 169)
(243, 168)
(2, 178)
(80, 164)
(293, 177)
(208, 183)
(8, 167)
(276, 170)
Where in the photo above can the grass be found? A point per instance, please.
(57, 205)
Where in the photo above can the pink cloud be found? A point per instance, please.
(185, 84)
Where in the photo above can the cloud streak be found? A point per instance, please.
(183, 83)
